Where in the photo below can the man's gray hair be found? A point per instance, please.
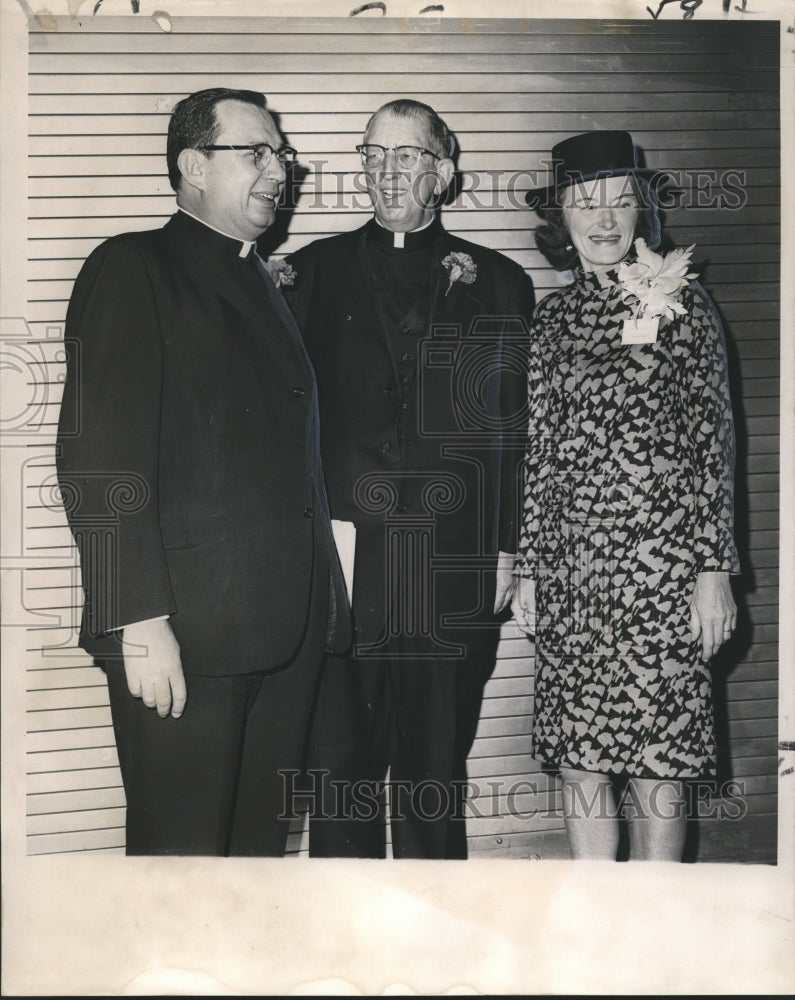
(440, 140)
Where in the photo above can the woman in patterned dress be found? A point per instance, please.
(627, 542)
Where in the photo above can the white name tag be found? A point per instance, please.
(640, 331)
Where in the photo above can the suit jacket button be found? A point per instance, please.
(405, 356)
(308, 512)
(389, 391)
(386, 446)
(405, 329)
(299, 391)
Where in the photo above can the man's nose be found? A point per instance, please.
(275, 170)
(390, 165)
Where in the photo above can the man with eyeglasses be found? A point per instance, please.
(193, 487)
(418, 339)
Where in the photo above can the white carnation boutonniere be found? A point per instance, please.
(281, 272)
(461, 267)
(652, 283)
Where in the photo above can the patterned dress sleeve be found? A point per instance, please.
(708, 415)
(539, 450)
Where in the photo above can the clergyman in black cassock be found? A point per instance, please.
(193, 487)
(418, 339)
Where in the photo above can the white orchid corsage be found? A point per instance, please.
(461, 267)
(281, 272)
(652, 284)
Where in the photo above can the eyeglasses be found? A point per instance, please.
(405, 156)
(263, 154)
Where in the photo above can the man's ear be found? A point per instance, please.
(192, 164)
(444, 174)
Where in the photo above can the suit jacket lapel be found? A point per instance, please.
(275, 296)
(243, 288)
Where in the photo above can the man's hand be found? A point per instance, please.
(713, 613)
(506, 581)
(524, 605)
(153, 667)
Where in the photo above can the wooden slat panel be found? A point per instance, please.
(601, 31)
(418, 84)
(547, 845)
(515, 150)
(66, 760)
(93, 840)
(67, 719)
(332, 104)
(47, 782)
(68, 676)
(446, 63)
(67, 698)
(398, 41)
(484, 768)
(496, 130)
(83, 800)
(78, 822)
(74, 739)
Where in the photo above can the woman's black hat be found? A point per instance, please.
(587, 156)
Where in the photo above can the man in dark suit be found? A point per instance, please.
(194, 491)
(418, 339)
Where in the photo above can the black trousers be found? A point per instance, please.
(416, 717)
(211, 782)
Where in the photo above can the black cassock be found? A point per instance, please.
(192, 483)
(420, 356)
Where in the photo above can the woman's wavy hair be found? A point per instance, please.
(554, 241)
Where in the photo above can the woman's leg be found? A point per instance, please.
(658, 820)
(589, 810)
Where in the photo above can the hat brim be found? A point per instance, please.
(546, 197)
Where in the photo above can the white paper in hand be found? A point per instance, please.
(345, 540)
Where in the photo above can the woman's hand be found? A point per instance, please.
(506, 581)
(713, 613)
(523, 605)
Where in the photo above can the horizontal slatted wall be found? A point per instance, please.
(696, 95)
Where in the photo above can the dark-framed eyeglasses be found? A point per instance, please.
(406, 157)
(262, 152)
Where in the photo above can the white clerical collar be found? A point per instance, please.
(245, 249)
(400, 238)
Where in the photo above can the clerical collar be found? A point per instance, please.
(389, 240)
(245, 246)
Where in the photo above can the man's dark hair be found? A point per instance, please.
(194, 123)
(439, 138)
(553, 239)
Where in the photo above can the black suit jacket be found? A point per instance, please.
(468, 427)
(193, 484)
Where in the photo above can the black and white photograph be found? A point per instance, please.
(394, 583)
